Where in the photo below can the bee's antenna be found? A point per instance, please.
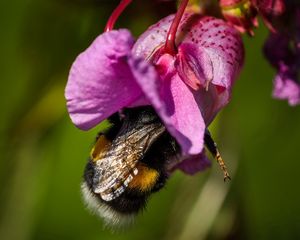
(212, 147)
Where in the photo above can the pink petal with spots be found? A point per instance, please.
(222, 44)
(208, 49)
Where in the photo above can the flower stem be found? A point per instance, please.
(170, 46)
(115, 15)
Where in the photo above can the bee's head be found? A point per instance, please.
(127, 164)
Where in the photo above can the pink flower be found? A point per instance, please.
(186, 89)
(282, 49)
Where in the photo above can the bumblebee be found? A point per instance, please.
(129, 162)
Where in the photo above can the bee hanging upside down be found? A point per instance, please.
(128, 163)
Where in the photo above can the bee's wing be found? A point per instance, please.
(117, 168)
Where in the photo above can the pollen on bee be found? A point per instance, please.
(145, 178)
(100, 148)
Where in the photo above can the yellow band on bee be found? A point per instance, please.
(145, 179)
(100, 148)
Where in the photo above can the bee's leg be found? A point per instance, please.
(212, 147)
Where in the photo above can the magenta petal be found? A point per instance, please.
(286, 88)
(205, 44)
(211, 102)
(175, 104)
(222, 44)
(194, 164)
(209, 51)
(194, 65)
(100, 80)
(187, 124)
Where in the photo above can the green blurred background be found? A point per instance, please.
(43, 155)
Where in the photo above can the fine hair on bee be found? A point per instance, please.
(127, 164)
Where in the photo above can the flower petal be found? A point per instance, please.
(222, 44)
(283, 52)
(193, 164)
(152, 39)
(208, 49)
(194, 65)
(286, 86)
(100, 80)
(211, 101)
(187, 124)
(175, 104)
